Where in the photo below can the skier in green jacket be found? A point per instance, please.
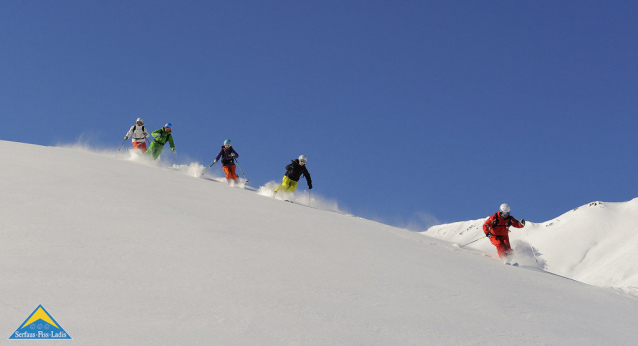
(162, 136)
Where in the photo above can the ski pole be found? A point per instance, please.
(242, 171)
(211, 165)
(473, 241)
(530, 246)
(121, 145)
(174, 158)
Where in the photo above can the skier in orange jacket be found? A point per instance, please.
(496, 227)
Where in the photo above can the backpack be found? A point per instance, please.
(135, 128)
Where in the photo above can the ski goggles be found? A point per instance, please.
(505, 214)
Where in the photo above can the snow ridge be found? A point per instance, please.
(594, 243)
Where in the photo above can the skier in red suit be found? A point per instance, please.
(496, 227)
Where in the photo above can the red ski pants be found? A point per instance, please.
(230, 172)
(140, 145)
(502, 245)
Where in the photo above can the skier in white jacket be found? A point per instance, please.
(138, 134)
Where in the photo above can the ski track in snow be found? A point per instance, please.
(195, 169)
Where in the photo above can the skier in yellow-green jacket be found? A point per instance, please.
(162, 136)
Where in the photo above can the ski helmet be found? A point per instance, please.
(139, 120)
(227, 142)
(505, 208)
(303, 158)
(169, 125)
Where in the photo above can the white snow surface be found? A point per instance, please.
(122, 251)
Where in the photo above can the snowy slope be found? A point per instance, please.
(595, 243)
(123, 252)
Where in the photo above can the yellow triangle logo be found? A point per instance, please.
(40, 314)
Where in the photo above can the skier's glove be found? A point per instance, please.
(125, 137)
(173, 149)
(232, 154)
(488, 234)
(214, 161)
(310, 187)
(523, 222)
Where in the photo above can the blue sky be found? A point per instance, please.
(408, 111)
